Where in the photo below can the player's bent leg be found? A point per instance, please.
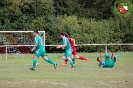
(50, 61)
(66, 61)
(99, 59)
(74, 52)
(64, 58)
(76, 56)
(79, 57)
(34, 63)
(82, 58)
(115, 57)
(102, 64)
(36, 55)
(71, 62)
(73, 59)
(68, 54)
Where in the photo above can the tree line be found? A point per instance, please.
(88, 21)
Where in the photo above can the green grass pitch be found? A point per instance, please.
(14, 73)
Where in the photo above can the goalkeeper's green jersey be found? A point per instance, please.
(108, 61)
(38, 40)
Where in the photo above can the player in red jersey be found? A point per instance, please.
(74, 53)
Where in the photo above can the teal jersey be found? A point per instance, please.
(108, 61)
(38, 40)
(66, 41)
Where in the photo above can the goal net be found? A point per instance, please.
(14, 44)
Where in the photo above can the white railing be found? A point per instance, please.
(106, 46)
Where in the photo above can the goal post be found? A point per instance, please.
(15, 43)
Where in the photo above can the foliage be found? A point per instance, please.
(88, 21)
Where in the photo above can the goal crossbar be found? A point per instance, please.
(18, 31)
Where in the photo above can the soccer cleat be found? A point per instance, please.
(32, 68)
(73, 67)
(87, 60)
(64, 64)
(55, 66)
(100, 65)
(98, 59)
(114, 59)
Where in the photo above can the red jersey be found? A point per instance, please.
(73, 47)
(71, 42)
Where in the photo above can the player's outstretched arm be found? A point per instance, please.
(61, 46)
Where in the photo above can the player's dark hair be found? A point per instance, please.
(66, 35)
(36, 31)
(62, 33)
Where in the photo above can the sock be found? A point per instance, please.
(71, 62)
(81, 58)
(50, 61)
(66, 61)
(103, 63)
(34, 63)
(73, 59)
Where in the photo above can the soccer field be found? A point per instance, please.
(14, 73)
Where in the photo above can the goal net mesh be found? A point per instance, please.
(13, 44)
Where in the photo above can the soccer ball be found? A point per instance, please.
(37, 64)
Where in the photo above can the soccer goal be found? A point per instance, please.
(14, 44)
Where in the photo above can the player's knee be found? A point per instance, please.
(69, 58)
(63, 58)
(76, 56)
(45, 58)
(35, 57)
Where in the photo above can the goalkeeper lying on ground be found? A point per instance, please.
(109, 60)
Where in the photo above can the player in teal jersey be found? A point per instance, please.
(40, 51)
(68, 50)
(109, 60)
